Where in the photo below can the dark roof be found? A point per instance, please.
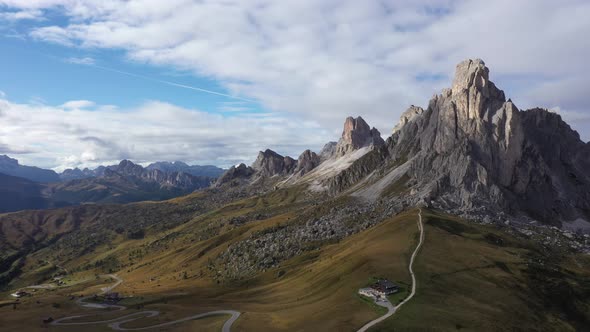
(386, 283)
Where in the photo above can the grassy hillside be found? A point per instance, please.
(477, 278)
(470, 277)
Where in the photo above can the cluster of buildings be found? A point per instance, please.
(380, 289)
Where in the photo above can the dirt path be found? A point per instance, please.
(116, 323)
(390, 308)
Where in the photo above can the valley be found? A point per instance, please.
(24, 187)
(317, 289)
(463, 206)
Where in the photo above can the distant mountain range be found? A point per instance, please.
(178, 166)
(10, 166)
(164, 166)
(25, 187)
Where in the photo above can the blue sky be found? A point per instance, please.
(291, 71)
(49, 72)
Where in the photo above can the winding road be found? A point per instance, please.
(116, 323)
(391, 309)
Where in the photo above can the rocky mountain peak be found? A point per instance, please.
(472, 149)
(407, 116)
(127, 167)
(474, 95)
(307, 161)
(235, 173)
(468, 73)
(270, 163)
(357, 134)
(328, 150)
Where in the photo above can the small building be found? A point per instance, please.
(385, 287)
(373, 294)
(368, 292)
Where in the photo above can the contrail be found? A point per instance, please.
(178, 85)
(169, 83)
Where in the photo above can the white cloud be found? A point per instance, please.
(323, 60)
(63, 137)
(27, 14)
(328, 59)
(81, 61)
(77, 104)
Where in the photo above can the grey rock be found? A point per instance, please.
(306, 162)
(410, 114)
(328, 151)
(241, 172)
(471, 149)
(357, 134)
(270, 163)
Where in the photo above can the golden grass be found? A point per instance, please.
(464, 282)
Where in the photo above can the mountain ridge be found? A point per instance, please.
(470, 151)
(10, 166)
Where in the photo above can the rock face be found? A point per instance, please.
(357, 134)
(409, 115)
(127, 167)
(328, 150)
(472, 149)
(306, 162)
(241, 172)
(270, 163)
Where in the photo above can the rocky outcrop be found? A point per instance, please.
(126, 167)
(472, 149)
(306, 162)
(357, 134)
(409, 115)
(270, 163)
(328, 151)
(239, 173)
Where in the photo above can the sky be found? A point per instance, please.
(85, 83)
